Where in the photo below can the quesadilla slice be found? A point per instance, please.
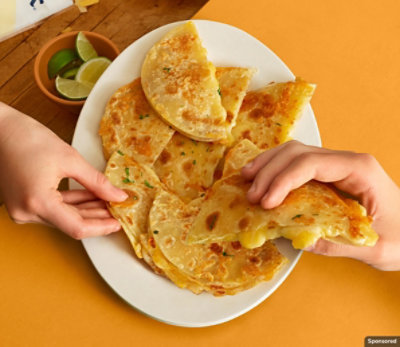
(267, 115)
(238, 156)
(140, 183)
(219, 268)
(233, 84)
(312, 211)
(129, 123)
(180, 84)
(187, 166)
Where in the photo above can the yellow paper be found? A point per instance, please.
(8, 14)
(84, 3)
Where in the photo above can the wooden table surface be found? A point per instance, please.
(122, 21)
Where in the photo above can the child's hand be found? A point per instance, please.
(278, 171)
(33, 160)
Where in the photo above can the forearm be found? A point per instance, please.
(4, 119)
(8, 117)
(5, 113)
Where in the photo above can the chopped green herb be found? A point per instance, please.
(127, 180)
(278, 124)
(155, 232)
(195, 142)
(183, 153)
(168, 69)
(315, 214)
(135, 197)
(227, 255)
(202, 195)
(141, 174)
(297, 216)
(144, 116)
(219, 91)
(194, 162)
(147, 184)
(208, 149)
(120, 153)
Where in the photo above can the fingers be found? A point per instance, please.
(323, 167)
(331, 249)
(94, 180)
(289, 149)
(77, 223)
(267, 166)
(77, 196)
(250, 170)
(82, 199)
(92, 204)
(278, 171)
(94, 213)
(87, 204)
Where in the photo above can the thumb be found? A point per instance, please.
(94, 181)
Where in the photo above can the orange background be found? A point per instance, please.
(50, 294)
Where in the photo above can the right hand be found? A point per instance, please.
(278, 171)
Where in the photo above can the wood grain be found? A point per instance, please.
(123, 21)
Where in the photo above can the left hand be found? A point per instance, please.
(33, 160)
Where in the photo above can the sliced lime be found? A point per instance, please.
(91, 71)
(84, 48)
(59, 60)
(71, 73)
(71, 89)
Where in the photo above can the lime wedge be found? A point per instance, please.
(84, 48)
(71, 89)
(71, 73)
(59, 60)
(91, 71)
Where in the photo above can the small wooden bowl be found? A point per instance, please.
(103, 46)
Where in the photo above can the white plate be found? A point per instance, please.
(112, 256)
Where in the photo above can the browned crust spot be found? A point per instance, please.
(216, 248)
(212, 220)
(165, 156)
